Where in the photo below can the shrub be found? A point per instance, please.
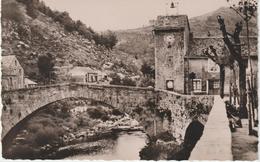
(47, 135)
(116, 112)
(96, 113)
(128, 82)
(105, 118)
(150, 152)
(21, 152)
(116, 80)
(83, 121)
(138, 110)
(11, 11)
(147, 70)
(45, 66)
(46, 122)
(107, 39)
(146, 82)
(31, 11)
(166, 136)
(34, 127)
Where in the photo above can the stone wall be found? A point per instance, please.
(184, 109)
(169, 61)
(156, 105)
(171, 45)
(18, 104)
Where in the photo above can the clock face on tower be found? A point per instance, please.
(169, 40)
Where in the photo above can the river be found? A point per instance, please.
(126, 147)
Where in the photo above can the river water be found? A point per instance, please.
(126, 147)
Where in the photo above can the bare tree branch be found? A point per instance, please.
(235, 50)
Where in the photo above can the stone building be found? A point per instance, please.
(180, 63)
(85, 75)
(12, 73)
(29, 83)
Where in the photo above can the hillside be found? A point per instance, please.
(31, 33)
(28, 37)
(208, 22)
(139, 42)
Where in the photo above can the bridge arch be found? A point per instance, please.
(22, 123)
(17, 105)
(193, 133)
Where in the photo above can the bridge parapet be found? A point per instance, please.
(18, 104)
(22, 103)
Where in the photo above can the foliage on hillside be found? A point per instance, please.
(31, 29)
(28, 37)
(33, 7)
(203, 24)
(138, 43)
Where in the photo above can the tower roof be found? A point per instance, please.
(172, 22)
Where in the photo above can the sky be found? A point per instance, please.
(129, 14)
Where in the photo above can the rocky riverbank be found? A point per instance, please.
(62, 125)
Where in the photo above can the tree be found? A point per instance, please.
(45, 65)
(222, 59)
(246, 9)
(107, 39)
(116, 80)
(233, 44)
(147, 70)
(128, 82)
(12, 11)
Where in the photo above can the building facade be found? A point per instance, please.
(12, 73)
(85, 75)
(181, 65)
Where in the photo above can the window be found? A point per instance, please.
(170, 85)
(170, 60)
(15, 62)
(216, 84)
(86, 78)
(197, 85)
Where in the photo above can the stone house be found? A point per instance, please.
(178, 56)
(29, 83)
(12, 73)
(86, 75)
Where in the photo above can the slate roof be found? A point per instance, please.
(171, 22)
(196, 45)
(80, 70)
(28, 81)
(6, 64)
(7, 60)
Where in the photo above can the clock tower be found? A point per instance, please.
(171, 45)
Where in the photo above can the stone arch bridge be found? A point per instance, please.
(21, 103)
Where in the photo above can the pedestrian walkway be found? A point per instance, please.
(215, 143)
